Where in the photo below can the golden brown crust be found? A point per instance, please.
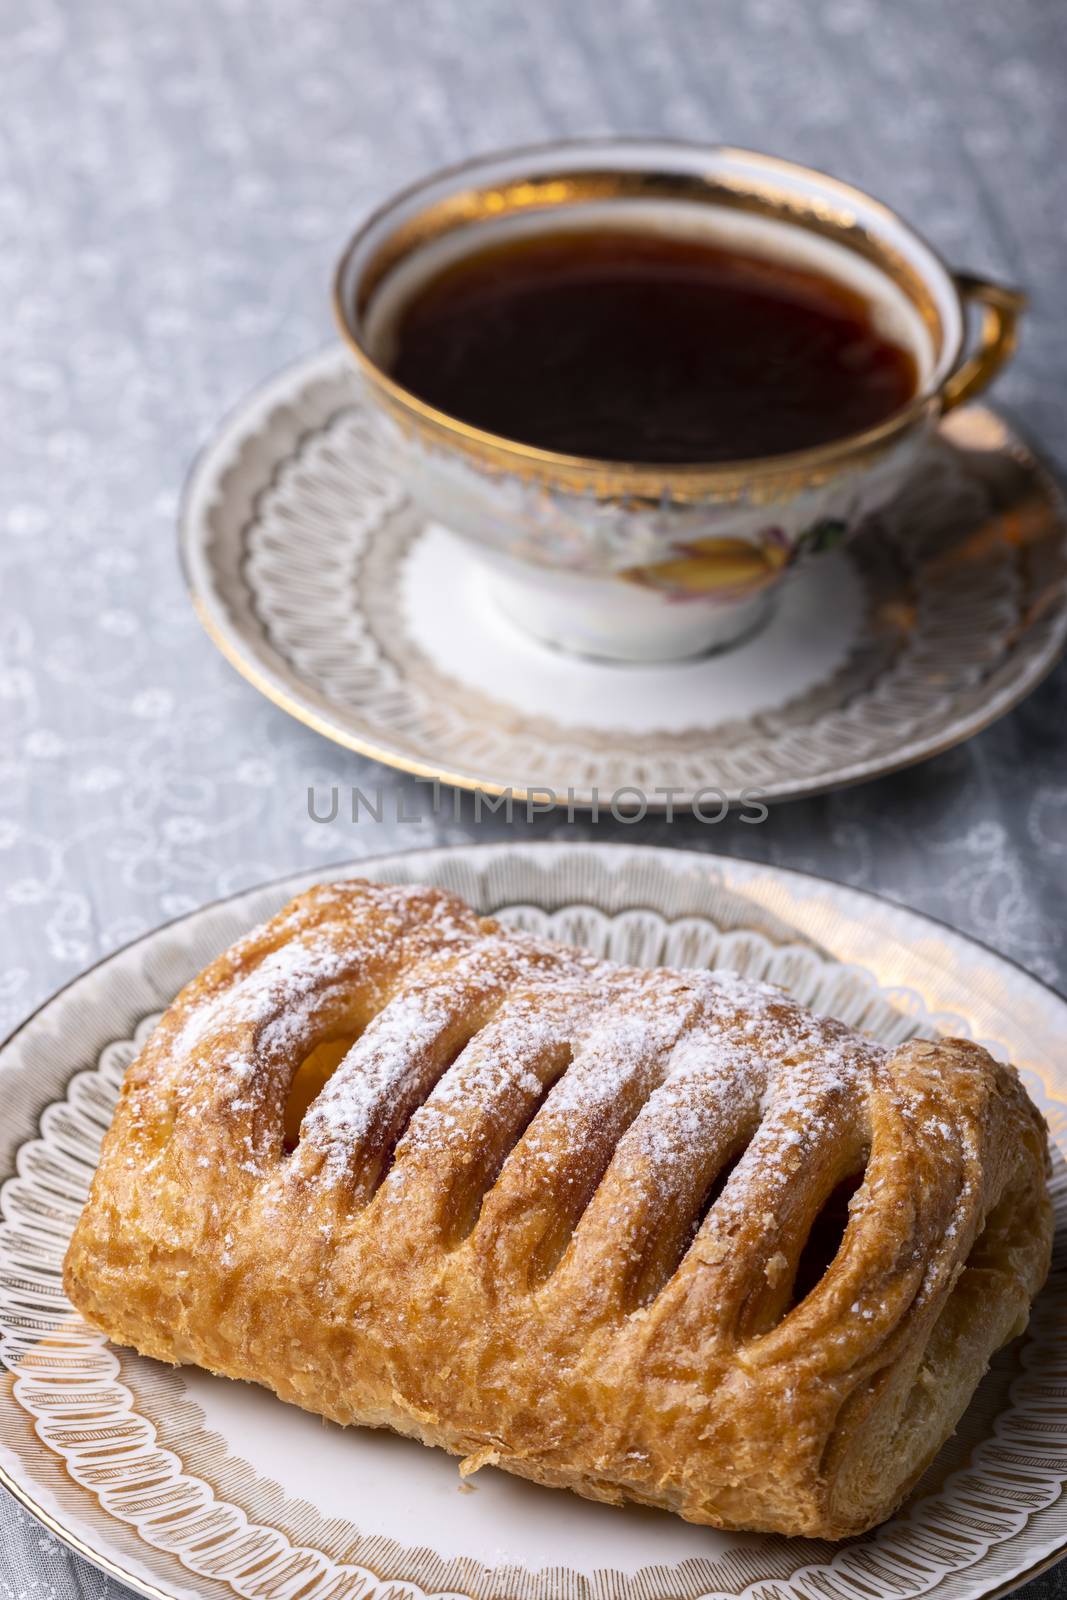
(512, 1226)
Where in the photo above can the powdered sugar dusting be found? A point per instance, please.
(395, 1054)
(750, 1056)
(307, 959)
(704, 1052)
(378, 1070)
(278, 997)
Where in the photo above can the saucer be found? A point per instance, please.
(319, 582)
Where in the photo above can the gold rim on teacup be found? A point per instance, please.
(573, 184)
(646, 562)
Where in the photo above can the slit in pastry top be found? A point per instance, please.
(624, 1229)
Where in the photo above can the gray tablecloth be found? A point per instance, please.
(175, 180)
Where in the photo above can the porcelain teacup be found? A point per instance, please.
(634, 561)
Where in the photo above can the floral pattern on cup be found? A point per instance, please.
(729, 569)
(557, 531)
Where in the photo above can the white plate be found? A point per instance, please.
(313, 575)
(189, 1486)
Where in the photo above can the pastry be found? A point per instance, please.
(661, 1236)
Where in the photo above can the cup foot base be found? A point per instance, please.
(570, 614)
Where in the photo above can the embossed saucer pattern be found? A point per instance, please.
(315, 577)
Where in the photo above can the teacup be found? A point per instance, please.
(634, 561)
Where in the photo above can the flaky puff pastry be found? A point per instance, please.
(568, 1218)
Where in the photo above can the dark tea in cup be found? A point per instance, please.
(642, 382)
(648, 347)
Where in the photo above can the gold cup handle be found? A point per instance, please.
(997, 337)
